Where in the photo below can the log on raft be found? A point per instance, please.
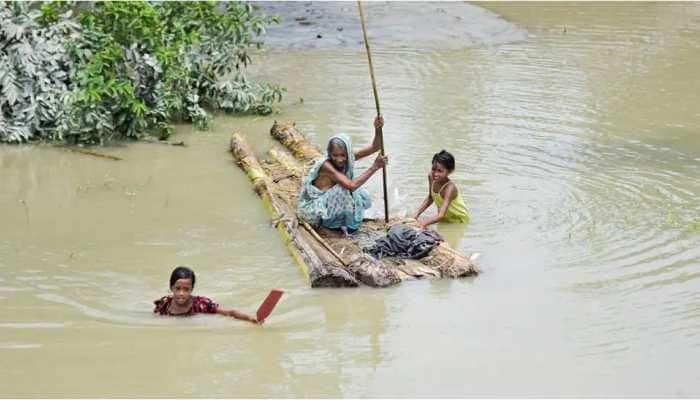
(277, 181)
(319, 266)
(295, 142)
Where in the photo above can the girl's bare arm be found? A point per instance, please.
(426, 203)
(450, 194)
(237, 315)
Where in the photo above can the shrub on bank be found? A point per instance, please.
(132, 68)
(34, 71)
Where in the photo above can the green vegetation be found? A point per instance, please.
(125, 69)
(34, 71)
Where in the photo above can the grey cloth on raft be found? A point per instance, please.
(405, 242)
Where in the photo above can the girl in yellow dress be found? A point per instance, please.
(443, 193)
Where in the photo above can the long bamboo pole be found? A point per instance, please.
(376, 102)
(323, 243)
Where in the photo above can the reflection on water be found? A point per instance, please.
(577, 155)
(453, 233)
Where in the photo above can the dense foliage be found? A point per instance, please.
(131, 69)
(34, 69)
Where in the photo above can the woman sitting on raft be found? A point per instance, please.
(331, 198)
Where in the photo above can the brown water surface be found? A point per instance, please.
(576, 133)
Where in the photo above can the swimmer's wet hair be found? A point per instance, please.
(181, 273)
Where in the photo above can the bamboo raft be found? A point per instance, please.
(331, 262)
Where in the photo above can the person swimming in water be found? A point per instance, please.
(182, 303)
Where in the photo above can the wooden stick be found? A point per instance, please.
(328, 247)
(93, 153)
(376, 103)
(180, 143)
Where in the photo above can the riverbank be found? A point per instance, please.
(414, 25)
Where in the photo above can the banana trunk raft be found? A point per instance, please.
(332, 262)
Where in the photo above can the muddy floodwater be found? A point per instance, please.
(576, 130)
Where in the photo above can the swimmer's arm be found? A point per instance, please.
(375, 146)
(342, 180)
(237, 315)
(450, 194)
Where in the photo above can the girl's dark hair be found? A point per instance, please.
(336, 142)
(181, 273)
(446, 159)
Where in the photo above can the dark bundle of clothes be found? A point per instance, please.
(405, 242)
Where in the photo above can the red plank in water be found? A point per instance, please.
(269, 304)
